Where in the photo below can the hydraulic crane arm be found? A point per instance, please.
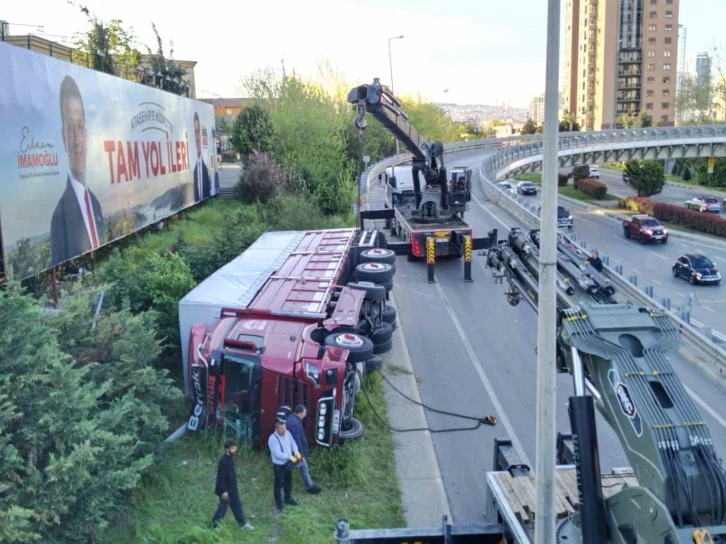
(618, 352)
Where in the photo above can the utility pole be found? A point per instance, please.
(547, 303)
(390, 67)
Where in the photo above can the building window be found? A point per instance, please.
(666, 66)
(651, 28)
(669, 15)
(651, 41)
(668, 28)
(651, 67)
(665, 105)
(653, 14)
(668, 40)
(666, 80)
(649, 106)
(666, 92)
(666, 53)
(651, 80)
(669, 2)
(651, 54)
(664, 118)
(649, 92)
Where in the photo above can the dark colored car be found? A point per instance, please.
(696, 268)
(526, 188)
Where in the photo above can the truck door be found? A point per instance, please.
(240, 399)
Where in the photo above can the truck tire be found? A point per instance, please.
(373, 291)
(389, 314)
(375, 272)
(360, 347)
(378, 255)
(374, 363)
(364, 328)
(626, 232)
(355, 430)
(385, 347)
(381, 240)
(387, 285)
(382, 335)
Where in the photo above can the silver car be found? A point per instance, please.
(704, 204)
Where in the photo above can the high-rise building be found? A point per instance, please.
(620, 58)
(536, 109)
(699, 66)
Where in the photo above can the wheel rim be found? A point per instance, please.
(373, 267)
(378, 252)
(348, 340)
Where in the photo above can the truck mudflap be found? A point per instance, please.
(470, 533)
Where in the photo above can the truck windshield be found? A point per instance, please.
(242, 385)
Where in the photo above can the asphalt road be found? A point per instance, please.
(475, 354)
(653, 263)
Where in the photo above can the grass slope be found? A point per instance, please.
(176, 504)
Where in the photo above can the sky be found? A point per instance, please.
(483, 52)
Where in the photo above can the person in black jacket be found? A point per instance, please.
(595, 261)
(226, 488)
(295, 426)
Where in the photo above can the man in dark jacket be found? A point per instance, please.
(295, 426)
(595, 261)
(226, 488)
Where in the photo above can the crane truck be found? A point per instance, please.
(675, 490)
(430, 222)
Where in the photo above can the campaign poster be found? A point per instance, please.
(87, 158)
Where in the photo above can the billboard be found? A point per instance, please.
(87, 158)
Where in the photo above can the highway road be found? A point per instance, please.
(653, 263)
(475, 354)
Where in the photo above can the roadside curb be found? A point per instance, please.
(417, 466)
(673, 233)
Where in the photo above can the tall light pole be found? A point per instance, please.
(547, 304)
(390, 66)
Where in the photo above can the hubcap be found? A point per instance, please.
(373, 266)
(348, 341)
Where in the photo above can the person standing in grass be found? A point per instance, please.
(226, 488)
(284, 454)
(294, 424)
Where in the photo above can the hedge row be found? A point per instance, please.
(706, 222)
(593, 188)
(562, 179)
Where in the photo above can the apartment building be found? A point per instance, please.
(620, 58)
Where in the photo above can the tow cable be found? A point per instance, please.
(486, 420)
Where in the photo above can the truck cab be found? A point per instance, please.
(459, 188)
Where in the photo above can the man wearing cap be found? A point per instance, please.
(282, 448)
(595, 261)
(295, 427)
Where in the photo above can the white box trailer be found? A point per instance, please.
(234, 285)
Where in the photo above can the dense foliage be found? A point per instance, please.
(646, 177)
(591, 187)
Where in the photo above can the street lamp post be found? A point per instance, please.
(390, 66)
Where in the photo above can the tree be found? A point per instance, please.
(569, 122)
(253, 131)
(641, 120)
(108, 48)
(686, 174)
(646, 177)
(695, 100)
(81, 414)
(580, 172)
(168, 75)
(529, 127)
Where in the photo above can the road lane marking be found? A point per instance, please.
(709, 309)
(656, 282)
(484, 380)
(680, 294)
(698, 400)
(660, 256)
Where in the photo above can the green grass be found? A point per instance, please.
(568, 191)
(359, 483)
(534, 177)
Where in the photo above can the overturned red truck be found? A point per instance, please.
(296, 319)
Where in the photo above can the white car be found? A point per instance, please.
(594, 172)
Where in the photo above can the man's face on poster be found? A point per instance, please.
(74, 136)
(198, 137)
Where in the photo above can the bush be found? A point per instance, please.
(691, 219)
(687, 174)
(562, 180)
(581, 172)
(299, 212)
(261, 181)
(675, 169)
(593, 188)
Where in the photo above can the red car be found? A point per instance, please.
(645, 228)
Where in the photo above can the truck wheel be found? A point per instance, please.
(389, 314)
(385, 347)
(387, 285)
(364, 328)
(375, 272)
(354, 430)
(373, 291)
(360, 347)
(374, 363)
(382, 334)
(626, 232)
(378, 255)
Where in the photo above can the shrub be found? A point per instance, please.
(686, 174)
(261, 181)
(702, 222)
(674, 170)
(562, 180)
(581, 172)
(593, 188)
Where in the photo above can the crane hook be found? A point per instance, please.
(361, 115)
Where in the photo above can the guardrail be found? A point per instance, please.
(706, 354)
